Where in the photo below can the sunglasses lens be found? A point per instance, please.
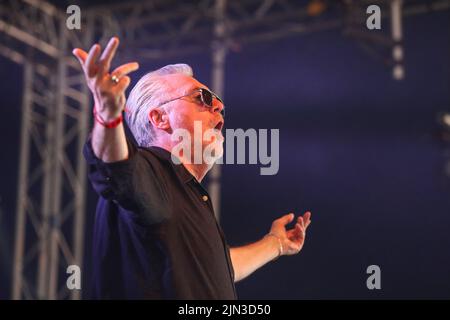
(207, 97)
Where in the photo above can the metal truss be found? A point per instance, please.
(56, 110)
(52, 173)
(161, 29)
(51, 188)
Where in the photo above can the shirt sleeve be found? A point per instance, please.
(131, 183)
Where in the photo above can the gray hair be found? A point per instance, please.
(148, 92)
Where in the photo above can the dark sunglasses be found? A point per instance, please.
(206, 98)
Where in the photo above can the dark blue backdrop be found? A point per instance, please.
(357, 148)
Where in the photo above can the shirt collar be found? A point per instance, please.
(183, 174)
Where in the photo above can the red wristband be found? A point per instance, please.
(111, 124)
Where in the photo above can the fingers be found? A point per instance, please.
(297, 234)
(91, 66)
(108, 54)
(302, 224)
(88, 60)
(307, 218)
(299, 231)
(81, 55)
(125, 69)
(301, 221)
(296, 240)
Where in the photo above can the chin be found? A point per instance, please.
(219, 151)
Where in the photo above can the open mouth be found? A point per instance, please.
(219, 126)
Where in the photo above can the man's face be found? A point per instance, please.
(191, 114)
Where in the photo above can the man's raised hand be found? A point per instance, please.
(109, 96)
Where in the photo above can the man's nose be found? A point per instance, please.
(217, 106)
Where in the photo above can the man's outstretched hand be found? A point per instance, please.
(293, 239)
(109, 96)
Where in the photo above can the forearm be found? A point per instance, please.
(247, 259)
(109, 144)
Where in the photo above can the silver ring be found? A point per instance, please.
(115, 79)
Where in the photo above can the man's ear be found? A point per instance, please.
(159, 119)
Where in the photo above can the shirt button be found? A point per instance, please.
(205, 198)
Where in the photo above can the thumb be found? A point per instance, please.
(286, 219)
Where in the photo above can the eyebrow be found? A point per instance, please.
(191, 89)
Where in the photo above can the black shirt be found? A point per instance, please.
(155, 235)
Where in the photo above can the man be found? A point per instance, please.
(156, 236)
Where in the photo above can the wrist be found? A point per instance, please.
(105, 112)
(107, 121)
(278, 244)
